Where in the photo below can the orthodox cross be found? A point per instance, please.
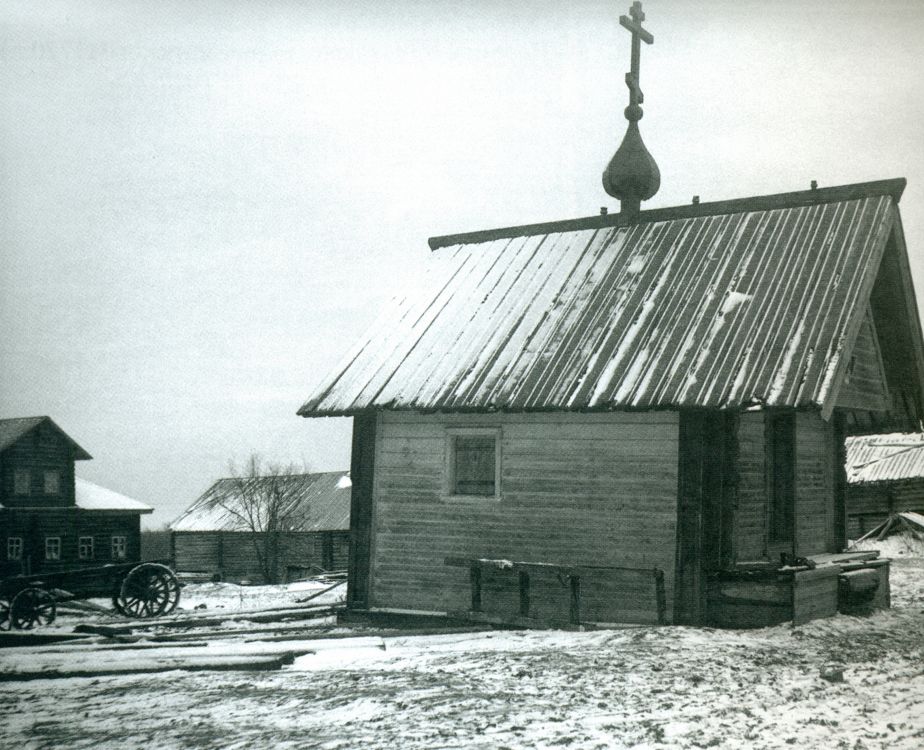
(636, 97)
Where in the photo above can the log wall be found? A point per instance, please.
(41, 448)
(751, 515)
(592, 489)
(868, 505)
(815, 512)
(232, 555)
(69, 524)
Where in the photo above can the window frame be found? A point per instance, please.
(18, 474)
(11, 543)
(85, 548)
(50, 542)
(122, 545)
(449, 489)
(46, 475)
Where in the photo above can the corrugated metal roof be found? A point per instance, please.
(885, 458)
(310, 502)
(91, 496)
(722, 310)
(11, 430)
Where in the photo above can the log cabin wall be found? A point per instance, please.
(231, 554)
(868, 505)
(814, 511)
(41, 449)
(594, 489)
(69, 525)
(815, 508)
(751, 515)
(197, 551)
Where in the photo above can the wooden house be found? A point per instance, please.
(226, 535)
(885, 475)
(632, 417)
(50, 519)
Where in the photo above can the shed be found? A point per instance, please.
(671, 392)
(632, 417)
(885, 475)
(50, 519)
(218, 535)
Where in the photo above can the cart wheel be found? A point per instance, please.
(4, 614)
(149, 590)
(32, 607)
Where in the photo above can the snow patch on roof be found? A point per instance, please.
(91, 496)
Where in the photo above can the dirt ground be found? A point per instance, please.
(671, 687)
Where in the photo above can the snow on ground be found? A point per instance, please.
(658, 688)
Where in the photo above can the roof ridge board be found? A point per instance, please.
(891, 187)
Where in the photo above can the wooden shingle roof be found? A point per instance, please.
(749, 302)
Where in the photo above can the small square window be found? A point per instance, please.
(52, 481)
(22, 481)
(119, 547)
(52, 548)
(474, 463)
(14, 548)
(85, 548)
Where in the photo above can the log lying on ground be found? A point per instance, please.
(316, 594)
(267, 615)
(153, 665)
(105, 630)
(17, 639)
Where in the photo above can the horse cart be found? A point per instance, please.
(137, 590)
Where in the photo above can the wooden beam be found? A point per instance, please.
(362, 472)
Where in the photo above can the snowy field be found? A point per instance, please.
(672, 687)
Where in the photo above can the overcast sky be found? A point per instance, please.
(203, 203)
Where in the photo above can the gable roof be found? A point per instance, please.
(11, 430)
(885, 458)
(313, 502)
(90, 496)
(720, 305)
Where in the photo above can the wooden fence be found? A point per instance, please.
(513, 585)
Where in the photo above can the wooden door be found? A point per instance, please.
(705, 504)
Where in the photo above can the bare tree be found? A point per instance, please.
(263, 499)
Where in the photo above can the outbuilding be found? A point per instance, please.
(632, 417)
(885, 475)
(261, 529)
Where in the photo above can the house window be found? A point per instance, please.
(781, 454)
(52, 548)
(52, 481)
(22, 481)
(85, 548)
(119, 547)
(14, 548)
(474, 462)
